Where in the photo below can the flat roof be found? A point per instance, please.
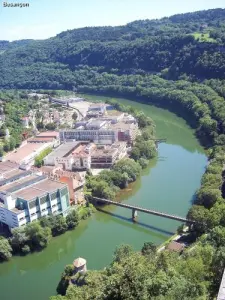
(22, 180)
(40, 139)
(8, 166)
(96, 122)
(104, 151)
(63, 150)
(123, 126)
(22, 152)
(80, 150)
(12, 173)
(15, 178)
(39, 189)
(17, 211)
(48, 134)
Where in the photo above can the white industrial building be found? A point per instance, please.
(70, 156)
(26, 196)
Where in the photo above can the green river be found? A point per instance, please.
(168, 185)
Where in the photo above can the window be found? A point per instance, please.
(33, 203)
(54, 195)
(64, 191)
(44, 199)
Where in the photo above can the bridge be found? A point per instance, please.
(135, 209)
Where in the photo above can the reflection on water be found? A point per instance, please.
(168, 184)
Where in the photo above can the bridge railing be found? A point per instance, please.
(146, 210)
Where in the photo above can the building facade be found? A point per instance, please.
(25, 197)
(101, 136)
(106, 156)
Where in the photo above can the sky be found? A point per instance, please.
(46, 18)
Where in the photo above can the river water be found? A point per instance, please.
(168, 185)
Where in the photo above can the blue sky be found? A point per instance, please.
(46, 18)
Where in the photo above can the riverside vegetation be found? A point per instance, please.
(109, 182)
(36, 236)
(165, 63)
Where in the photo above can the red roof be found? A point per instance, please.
(175, 246)
(48, 134)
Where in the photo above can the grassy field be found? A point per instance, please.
(203, 37)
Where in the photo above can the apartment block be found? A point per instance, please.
(26, 196)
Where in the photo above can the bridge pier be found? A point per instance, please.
(134, 214)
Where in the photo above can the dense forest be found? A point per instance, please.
(177, 63)
(190, 45)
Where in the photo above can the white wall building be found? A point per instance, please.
(25, 197)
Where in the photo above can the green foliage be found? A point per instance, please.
(128, 166)
(72, 219)
(25, 249)
(1, 152)
(38, 236)
(86, 211)
(132, 275)
(18, 239)
(39, 159)
(6, 147)
(58, 225)
(5, 249)
(50, 126)
(148, 249)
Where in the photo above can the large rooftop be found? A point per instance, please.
(64, 149)
(21, 153)
(14, 179)
(39, 189)
(48, 134)
(104, 151)
(7, 166)
(41, 139)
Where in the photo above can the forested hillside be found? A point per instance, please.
(192, 44)
(177, 63)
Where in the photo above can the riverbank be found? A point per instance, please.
(37, 235)
(164, 185)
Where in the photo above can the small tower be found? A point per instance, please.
(80, 265)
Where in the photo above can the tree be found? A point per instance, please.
(51, 126)
(75, 116)
(58, 225)
(40, 125)
(64, 282)
(122, 252)
(128, 166)
(148, 249)
(201, 216)
(12, 143)
(208, 197)
(135, 153)
(38, 237)
(25, 249)
(39, 159)
(1, 152)
(6, 147)
(72, 219)
(5, 249)
(143, 162)
(18, 239)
